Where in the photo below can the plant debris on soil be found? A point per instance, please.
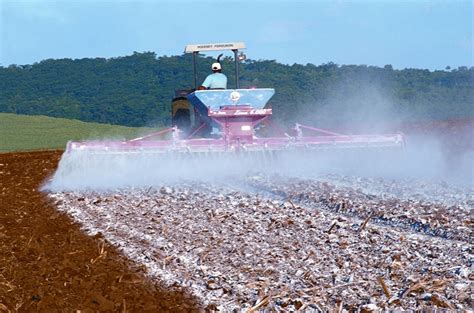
(47, 263)
(286, 243)
(263, 243)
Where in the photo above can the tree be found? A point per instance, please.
(136, 90)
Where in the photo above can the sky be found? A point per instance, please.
(406, 34)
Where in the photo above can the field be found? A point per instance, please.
(47, 263)
(288, 244)
(26, 132)
(262, 242)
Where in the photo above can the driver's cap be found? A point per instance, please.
(216, 66)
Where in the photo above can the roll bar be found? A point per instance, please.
(196, 48)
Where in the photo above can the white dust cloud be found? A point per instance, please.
(367, 109)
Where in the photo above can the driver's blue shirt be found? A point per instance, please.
(215, 80)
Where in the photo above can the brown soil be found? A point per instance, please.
(48, 264)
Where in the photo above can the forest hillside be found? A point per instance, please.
(136, 90)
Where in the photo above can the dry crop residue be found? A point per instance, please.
(47, 263)
(287, 244)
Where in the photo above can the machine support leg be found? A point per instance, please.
(236, 58)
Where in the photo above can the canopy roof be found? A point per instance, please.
(214, 47)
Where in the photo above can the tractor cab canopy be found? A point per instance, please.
(214, 47)
(233, 46)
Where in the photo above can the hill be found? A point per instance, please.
(22, 132)
(136, 90)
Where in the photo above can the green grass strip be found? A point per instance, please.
(28, 132)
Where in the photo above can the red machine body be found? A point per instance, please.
(235, 126)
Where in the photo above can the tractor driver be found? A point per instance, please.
(216, 80)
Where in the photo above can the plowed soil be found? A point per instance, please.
(48, 264)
